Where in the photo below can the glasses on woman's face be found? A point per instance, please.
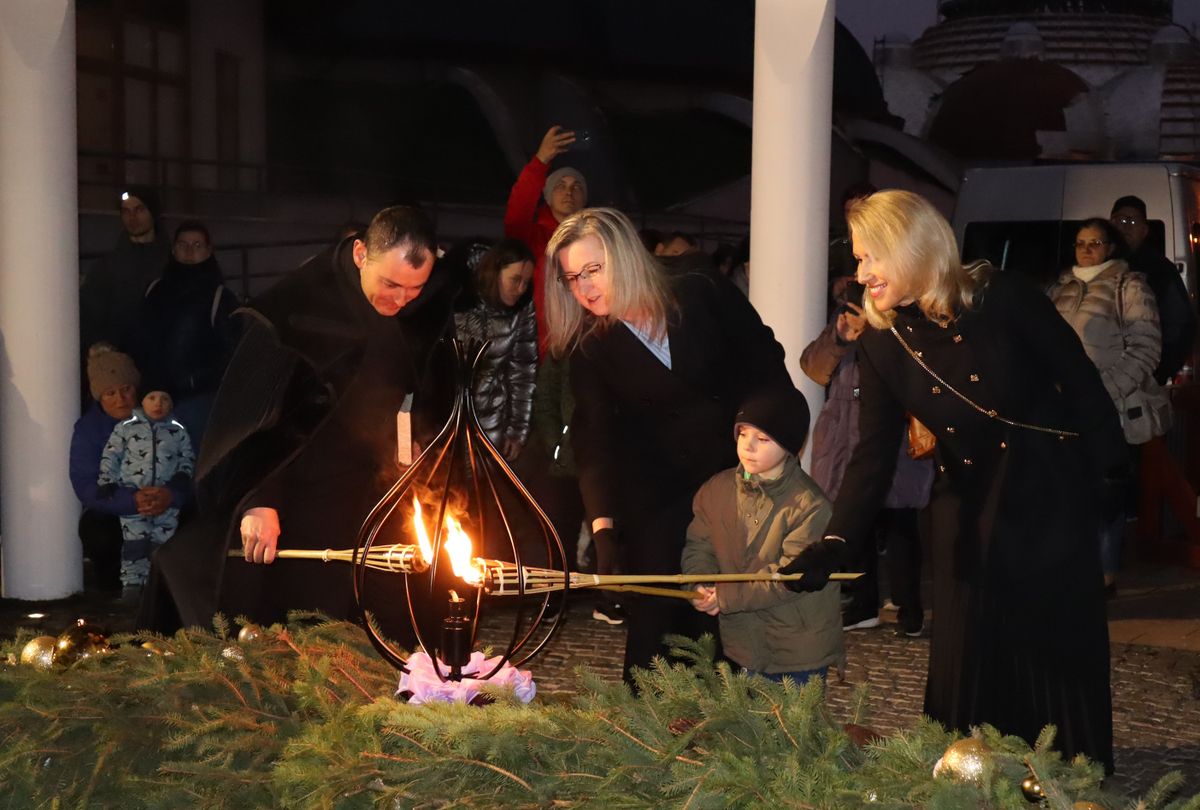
(1090, 244)
(589, 271)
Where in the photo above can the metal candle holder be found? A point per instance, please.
(460, 474)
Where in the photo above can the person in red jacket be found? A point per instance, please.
(539, 200)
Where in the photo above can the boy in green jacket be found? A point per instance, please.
(754, 519)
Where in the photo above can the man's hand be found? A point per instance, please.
(260, 534)
(708, 602)
(152, 501)
(510, 449)
(554, 143)
(817, 561)
(851, 322)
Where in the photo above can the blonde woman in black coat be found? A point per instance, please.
(660, 361)
(1027, 440)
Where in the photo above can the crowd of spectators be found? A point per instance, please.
(619, 364)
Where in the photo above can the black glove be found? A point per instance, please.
(816, 562)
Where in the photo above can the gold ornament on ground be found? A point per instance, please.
(39, 652)
(81, 640)
(250, 634)
(964, 761)
(1031, 789)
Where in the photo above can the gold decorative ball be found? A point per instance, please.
(81, 640)
(1087, 806)
(39, 652)
(152, 647)
(1031, 789)
(964, 761)
(250, 634)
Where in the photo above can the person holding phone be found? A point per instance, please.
(539, 200)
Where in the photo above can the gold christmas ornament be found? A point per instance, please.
(1087, 806)
(39, 652)
(152, 647)
(964, 761)
(81, 640)
(1031, 789)
(250, 634)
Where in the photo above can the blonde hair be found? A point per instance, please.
(637, 288)
(905, 230)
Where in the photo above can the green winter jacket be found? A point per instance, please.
(750, 525)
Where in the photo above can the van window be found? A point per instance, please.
(1038, 249)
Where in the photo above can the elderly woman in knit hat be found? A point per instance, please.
(112, 380)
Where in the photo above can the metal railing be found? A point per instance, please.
(955, 9)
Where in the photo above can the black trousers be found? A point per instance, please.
(100, 535)
(896, 530)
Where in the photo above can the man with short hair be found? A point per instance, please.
(302, 441)
(1175, 313)
(539, 200)
(113, 288)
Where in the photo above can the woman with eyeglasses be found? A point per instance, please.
(661, 356)
(1027, 444)
(1115, 314)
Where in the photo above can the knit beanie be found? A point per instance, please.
(779, 411)
(107, 368)
(559, 174)
(147, 195)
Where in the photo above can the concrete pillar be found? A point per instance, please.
(39, 294)
(789, 196)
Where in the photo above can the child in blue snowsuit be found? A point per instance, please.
(148, 449)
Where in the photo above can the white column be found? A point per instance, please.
(789, 197)
(39, 294)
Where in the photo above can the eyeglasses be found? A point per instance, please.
(1094, 244)
(191, 245)
(588, 272)
(1127, 221)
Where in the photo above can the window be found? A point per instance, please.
(1040, 250)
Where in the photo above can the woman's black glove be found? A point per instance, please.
(816, 562)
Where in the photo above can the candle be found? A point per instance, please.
(456, 636)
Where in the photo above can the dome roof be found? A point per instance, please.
(955, 46)
(990, 113)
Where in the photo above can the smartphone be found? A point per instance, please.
(583, 140)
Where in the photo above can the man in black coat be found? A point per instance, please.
(303, 439)
(1175, 313)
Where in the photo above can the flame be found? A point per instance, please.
(458, 546)
(422, 535)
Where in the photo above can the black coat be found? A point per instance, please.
(1176, 313)
(646, 437)
(184, 335)
(304, 422)
(1019, 633)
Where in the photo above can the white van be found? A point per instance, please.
(1024, 218)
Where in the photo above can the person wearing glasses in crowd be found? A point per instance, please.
(1176, 315)
(1028, 445)
(1113, 310)
(660, 360)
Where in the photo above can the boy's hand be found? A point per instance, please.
(707, 603)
